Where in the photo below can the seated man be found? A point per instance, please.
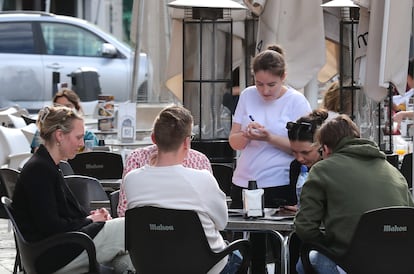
(353, 177)
(168, 184)
(146, 156)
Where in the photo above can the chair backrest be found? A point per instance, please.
(98, 164)
(224, 175)
(13, 142)
(9, 177)
(161, 240)
(383, 242)
(114, 200)
(393, 159)
(29, 131)
(86, 189)
(66, 168)
(4, 118)
(17, 121)
(407, 168)
(294, 244)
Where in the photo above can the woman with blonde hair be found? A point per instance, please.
(332, 100)
(45, 206)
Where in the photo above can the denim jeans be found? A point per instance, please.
(321, 263)
(233, 263)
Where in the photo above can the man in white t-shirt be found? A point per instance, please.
(168, 184)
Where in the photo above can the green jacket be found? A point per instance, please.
(339, 189)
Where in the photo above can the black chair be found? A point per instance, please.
(407, 168)
(393, 159)
(383, 243)
(161, 240)
(30, 252)
(88, 191)
(8, 180)
(224, 176)
(98, 164)
(66, 168)
(294, 243)
(3, 192)
(114, 199)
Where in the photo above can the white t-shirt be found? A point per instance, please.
(178, 187)
(259, 160)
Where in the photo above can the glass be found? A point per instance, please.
(401, 150)
(88, 145)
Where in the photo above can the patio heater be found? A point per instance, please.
(207, 73)
(348, 21)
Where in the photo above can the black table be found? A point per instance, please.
(279, 225)
(110, 185)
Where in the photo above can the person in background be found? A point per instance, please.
(68, 98)
(147, 156)
(332, 101)
(304, 148)
(230, 99)
(259, 130)
(45, 206)
(168, 184)
(353, 177)
(402, 102)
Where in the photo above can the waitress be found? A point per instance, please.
(259, 130)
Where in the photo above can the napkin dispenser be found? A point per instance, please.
(253, 201)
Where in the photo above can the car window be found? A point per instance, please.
(64, 39)
(16, 38)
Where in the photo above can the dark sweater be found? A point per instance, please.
(45, 206)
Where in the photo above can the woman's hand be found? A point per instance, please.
(100, 215)
(401, 115)
(256, 131)
(289, 208)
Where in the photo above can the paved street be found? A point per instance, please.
(7, 248)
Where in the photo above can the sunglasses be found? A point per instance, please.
(320, 150)
(305, 125)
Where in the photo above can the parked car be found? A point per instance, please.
(37, 46)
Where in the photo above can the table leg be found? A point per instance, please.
(258, 244)
(258, 247)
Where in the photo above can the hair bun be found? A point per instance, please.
(276, 48)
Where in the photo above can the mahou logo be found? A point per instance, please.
(395, 228)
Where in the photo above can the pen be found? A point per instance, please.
(251, 118)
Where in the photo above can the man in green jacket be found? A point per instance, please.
(353, 177)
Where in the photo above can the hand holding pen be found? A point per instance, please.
(253, 128)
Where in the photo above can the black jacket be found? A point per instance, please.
(45, 206)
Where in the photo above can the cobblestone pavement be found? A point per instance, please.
(7, 248)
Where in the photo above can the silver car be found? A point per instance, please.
(39, 49)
